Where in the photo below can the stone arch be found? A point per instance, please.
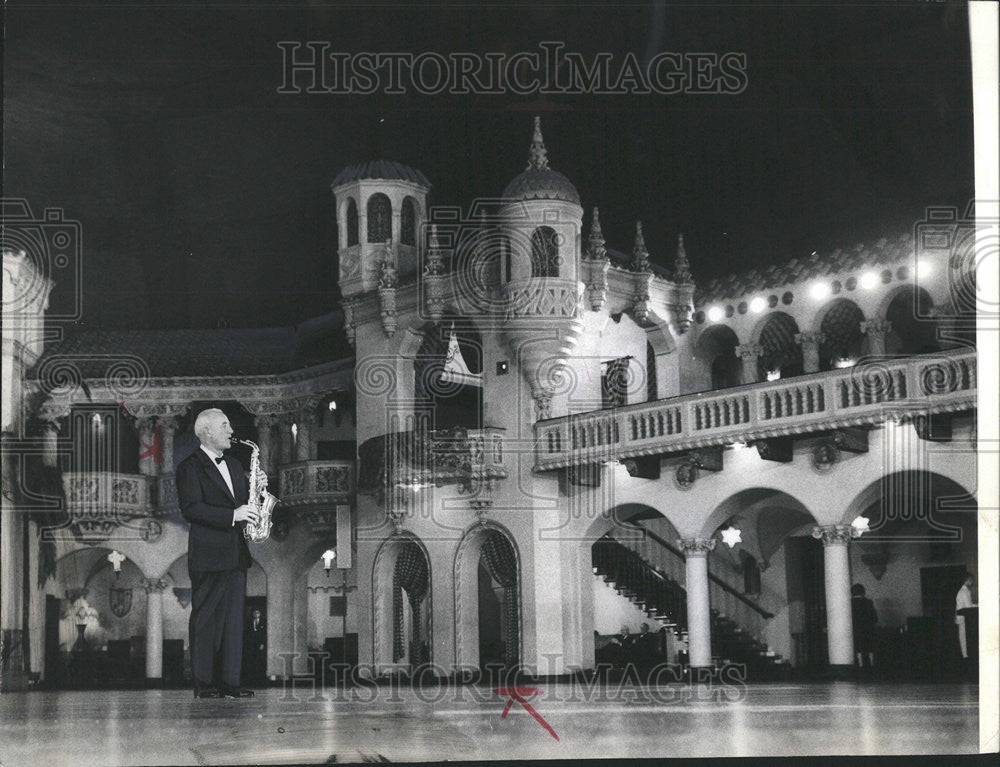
(379, 216)
(351, 222)
(914, 330)
(839, 321)
(467, 555)
(926, 496)
(382, 599)
(775, 333)
(715, 351)
(747, 499)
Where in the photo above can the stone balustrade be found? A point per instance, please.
(312, 482)
(868, 393)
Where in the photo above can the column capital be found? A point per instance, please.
(696, 547)
(877, 326)
(749, 351)
(834, 535)
(809, 338)
(168, 422)
(154, 585)
(265, 420)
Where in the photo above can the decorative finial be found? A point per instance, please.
(537, 156)
(682, 269)
(595, 242)
(640, 256)
(435, 259)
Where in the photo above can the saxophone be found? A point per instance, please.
(260, 501)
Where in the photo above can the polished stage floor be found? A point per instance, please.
(149, 727)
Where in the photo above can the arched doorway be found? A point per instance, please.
(402, 613)
(842, 337)
(781, 355)
(487, 598)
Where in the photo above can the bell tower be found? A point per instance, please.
(541, 222)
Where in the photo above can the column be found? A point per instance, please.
(306, 420)
(749, 354)
(147, 435)
(154, 629)
(280, 623)
(265, 440)
(810, 343)
(837, 578)
(285, 421)
(50, 443)
(698, 608)
(168, 426)
(876, 329)
(13, 660)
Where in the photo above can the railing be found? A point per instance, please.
(309, 482)
(92, 491)
(467, 457)
(865, 394)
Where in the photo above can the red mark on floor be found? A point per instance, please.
(521, 694)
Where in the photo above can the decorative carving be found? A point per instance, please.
(749, 352)
(835, 535)
(682, 269)
(350, 329)
(596, 264)
(542, 299)
(686, 474)
(696, 547)
(387, 305)
(682, 316)
(482, 507)
(640, 256)
(434, 278)
(825, 454)
(543, 405)
(155, 585)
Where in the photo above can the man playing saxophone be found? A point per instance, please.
(214, 497)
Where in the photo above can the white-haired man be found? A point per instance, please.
(213, 493)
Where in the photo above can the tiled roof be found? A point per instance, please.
(885, 251)
(207, 353)
(380, 169)
(541, 184)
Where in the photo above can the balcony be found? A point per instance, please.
(316, 482)
(100, 502)
(866, 394)
(469, 458)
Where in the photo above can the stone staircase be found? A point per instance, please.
(657, 592)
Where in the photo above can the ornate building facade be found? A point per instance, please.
(510, 440)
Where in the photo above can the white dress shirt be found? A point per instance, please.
(963, 600)
(224, 471)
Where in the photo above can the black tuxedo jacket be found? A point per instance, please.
(214, 542)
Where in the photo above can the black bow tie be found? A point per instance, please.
(220, 459)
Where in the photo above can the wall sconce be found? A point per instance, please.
(116, 558)
(332, 405)
(328, 557)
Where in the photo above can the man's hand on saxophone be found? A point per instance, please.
(245, 513)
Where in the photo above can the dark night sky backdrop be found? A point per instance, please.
(204, 194)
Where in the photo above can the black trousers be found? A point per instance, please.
(216, 627)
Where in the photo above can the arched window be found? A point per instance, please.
(782, 354)
(913, 329)
(842, 337)
(544, 252)
(352, 222)
(408, 222)
(379, 218)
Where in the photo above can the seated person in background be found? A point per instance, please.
(864, 619)
(646, 647)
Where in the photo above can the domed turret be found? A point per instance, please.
(538, 181)
(380, 208)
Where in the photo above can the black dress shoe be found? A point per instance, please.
(206, 692)
(228, 691)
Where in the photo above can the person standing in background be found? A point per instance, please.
(964, 601)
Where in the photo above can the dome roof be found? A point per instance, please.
(547, 184)
(381, 169)
(539, 181)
